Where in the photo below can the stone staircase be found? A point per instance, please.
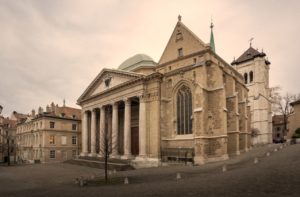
(97, 162)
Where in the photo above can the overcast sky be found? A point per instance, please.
(53, 49)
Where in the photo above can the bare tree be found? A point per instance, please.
(106, 143)
(281, 104)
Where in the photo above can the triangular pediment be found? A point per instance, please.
(181, 38)
(107, 79)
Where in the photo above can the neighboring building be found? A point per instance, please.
(7, 137)
(294, 119)
(50, 136)
(254, 67)
(190, 102)
(279, 133)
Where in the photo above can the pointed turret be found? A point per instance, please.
(212, 39)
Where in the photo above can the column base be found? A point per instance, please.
(115, 156)
(127, 157)
(99, 155)
(84, 154)
(92, 154)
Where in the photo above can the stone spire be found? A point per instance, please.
(212, 40)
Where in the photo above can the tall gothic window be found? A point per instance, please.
(246, 78)
(251, 76)
(184, 111)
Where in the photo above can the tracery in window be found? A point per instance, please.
(184, 111)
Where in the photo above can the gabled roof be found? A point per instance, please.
(106, 70)
(185, 32)
(248, 55)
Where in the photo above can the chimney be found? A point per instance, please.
(33, 113)
(48, 108)
(52, 107)
(40, 110)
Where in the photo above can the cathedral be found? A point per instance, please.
(191, 105)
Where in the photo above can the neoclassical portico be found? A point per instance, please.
(106, 117)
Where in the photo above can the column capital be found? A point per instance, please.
(142, 98)
(127, 101)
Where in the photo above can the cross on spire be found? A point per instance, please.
(250, 41)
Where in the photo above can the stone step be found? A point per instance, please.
(101, 164)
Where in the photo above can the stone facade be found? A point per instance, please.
(191, 100)
(294, 119)
(50, 136)
(254, 67)
(279, 133)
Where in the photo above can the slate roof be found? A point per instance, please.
(248, 55)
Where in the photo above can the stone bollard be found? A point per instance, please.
(178, 176)
(76, 181)
(224, 168)
(109, 172)
(115, 171)
(255, 160)
(268, 154)
(280, 147)
(275, 150)
(92, 177)
(126, 181)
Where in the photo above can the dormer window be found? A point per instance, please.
(180, 52)
(107, 82)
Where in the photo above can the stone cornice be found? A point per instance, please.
(127, 84)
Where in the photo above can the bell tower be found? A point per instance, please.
(254, 66)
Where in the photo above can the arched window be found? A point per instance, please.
(251, 76)
(246, 78)
(184, 111)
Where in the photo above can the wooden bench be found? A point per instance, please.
(178, 154)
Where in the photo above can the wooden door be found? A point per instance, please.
(134, 140)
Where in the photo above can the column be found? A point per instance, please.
(93, 133)
(142, 128)
(102, 131)
(84, 134)
(115, 128)
(127, 129)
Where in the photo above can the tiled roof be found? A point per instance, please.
(277, 119)
(295, 102)
(248, 55)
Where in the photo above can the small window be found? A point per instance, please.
(63, 140)
(251, 76)
(195, 60)
(52, 154)
(278, 129)
(180, 52)
(74, 116)
(52, 139)
(246, 78)
(52, 124)
(74, 127)
(74, 140)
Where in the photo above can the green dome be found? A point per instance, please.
(136, 61)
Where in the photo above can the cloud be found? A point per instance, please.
(52, 49)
